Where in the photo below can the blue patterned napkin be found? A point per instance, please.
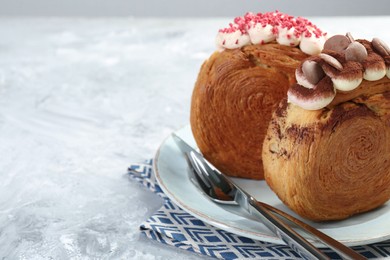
(173, 226)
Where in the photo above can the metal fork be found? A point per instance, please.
(221, 189)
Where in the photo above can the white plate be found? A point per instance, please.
(172, 174)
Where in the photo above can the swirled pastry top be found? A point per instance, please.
(263, 28)
(339, 71)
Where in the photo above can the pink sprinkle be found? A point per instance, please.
(308, 34)
(237, 41)
(276, 19)
(275, 30)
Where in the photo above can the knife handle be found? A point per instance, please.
(342, 250)
(294, 240)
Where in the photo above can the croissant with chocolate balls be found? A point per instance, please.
(326, 153)
(240, 85)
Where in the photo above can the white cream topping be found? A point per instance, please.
(346, 84)
(309, 104)
(312, 45)
(232, 40)
(263, 28)
(286, 37)
(260, 34)
(374, 74)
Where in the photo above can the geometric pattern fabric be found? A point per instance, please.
(173, 226)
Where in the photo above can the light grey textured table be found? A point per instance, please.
(79, 100)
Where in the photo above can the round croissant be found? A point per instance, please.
(232, 103)
(333, 162)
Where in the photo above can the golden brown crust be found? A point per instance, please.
(331, 163)
(232, 103)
